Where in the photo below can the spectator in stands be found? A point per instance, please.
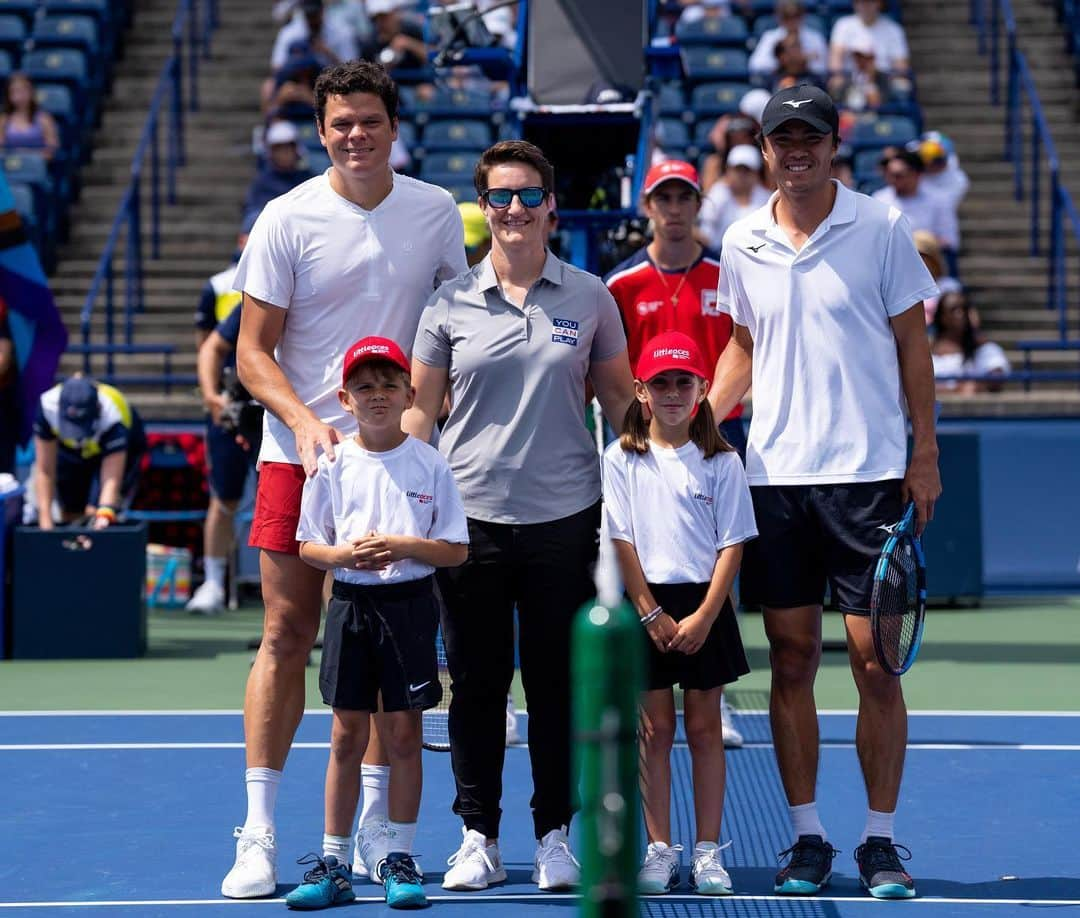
(843, 167)
(530, 481)
(293, 93)
(740, 191)
(477, 234)
(792, 67)
(890, 42)
(228, 461)
(696, 10)
(9, 406)
(310, 32)
(358, 244)
(399, 40)
(959, 349)
(791, 15)
(284, 169)
(728, 132)
(924, 210)
(25, 126)
(943, 175)
(88, 442)
(864, 86)
(930, 251)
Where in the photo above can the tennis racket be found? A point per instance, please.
(898, 600)
(436, 726)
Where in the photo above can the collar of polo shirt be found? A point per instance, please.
(486, 278)
(763, 220)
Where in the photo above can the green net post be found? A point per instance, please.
(607, 665)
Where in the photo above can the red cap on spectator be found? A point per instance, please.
(670, 351)
(671, 170)
(373, 348)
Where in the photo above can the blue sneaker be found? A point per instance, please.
(402, 882)
(808, 870)
(880, 872)
(327, 883)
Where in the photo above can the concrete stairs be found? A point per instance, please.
(1007, 283)
(199, 232)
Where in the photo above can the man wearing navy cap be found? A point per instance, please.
(88, 442)
(825, 289)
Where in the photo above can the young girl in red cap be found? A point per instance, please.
(678, 510)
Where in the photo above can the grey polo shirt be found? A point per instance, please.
(516, 437)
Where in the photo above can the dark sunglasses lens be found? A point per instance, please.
(531, 197)
(500, 197)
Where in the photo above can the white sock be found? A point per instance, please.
(339, 846)
(262, 788)
(215, 570)
(402, 836)
(805, 820)
(375, 805)
(878, 823)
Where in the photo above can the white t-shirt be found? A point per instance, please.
(337, 33)
(925, 210)
(408, 490)
(828, 404)
(890, 42)
(812, 42)
(719, 210)
(343, 273)
(989, 358)
(676, 508)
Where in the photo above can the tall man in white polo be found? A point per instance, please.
(825, 289)
(355, 251)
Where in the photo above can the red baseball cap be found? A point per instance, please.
(670, 350)
(373, 348)
(671, 170)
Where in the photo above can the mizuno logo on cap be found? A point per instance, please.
(795, 103)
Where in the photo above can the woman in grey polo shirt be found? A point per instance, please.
(515, 339)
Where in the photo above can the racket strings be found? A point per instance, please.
(898, 599)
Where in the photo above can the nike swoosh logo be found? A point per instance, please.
(416, 688)
(757, 248)
(798, 103)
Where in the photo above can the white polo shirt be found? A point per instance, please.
(343, 273)
(925, 210)
(828, 403)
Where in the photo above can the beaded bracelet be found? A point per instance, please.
(652, 616)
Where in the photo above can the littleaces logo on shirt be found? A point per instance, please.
(420, 497)
(564, 331)
(704, 498)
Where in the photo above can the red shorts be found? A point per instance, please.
(277, 507)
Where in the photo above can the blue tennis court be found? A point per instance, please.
(132, 813)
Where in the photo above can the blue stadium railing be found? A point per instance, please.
(192, 28)
(992, 18)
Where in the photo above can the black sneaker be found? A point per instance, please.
(880, 871)
(808, 869)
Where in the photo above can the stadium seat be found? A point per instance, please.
(61, 65)
(12, 35)
(68, 32)
(307, 135)
(672, 100)
(453, 103)
(726, 30)
(461, 191)
(671, 133)
(318, 161)
(882, 131)
(407, 134)
(31, 169)
(6, 66)
(763, 23)
(457, 167)
(701, 64)
(866, 163)
(98, 9)
(715, 99)
(26, 10)
(457, 135)
(23, 196)
(702, 130)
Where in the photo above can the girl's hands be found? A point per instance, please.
(690, 633)
(661, 630)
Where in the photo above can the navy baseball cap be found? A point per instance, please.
(804, 103)
(78, 409)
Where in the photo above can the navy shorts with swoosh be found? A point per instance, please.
(380, 639)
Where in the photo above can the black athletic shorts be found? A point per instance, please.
(721, 659)
(381, 638)
(810, 536)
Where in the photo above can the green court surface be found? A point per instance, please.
(1009, 655)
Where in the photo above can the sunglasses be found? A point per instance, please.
(501, 198)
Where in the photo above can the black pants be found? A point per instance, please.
(545, 570)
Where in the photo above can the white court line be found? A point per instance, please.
(912, 747)
(218, 712)
(543, 898)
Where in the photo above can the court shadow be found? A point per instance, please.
(193, 647)
(1042, 888)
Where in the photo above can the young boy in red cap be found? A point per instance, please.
(382, 516)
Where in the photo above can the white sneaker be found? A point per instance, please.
(707, 874)
(733, 739)
(555, 866)
(371, 844)
(208, 599)
(254, 874)
(512, 735)
(475, 865)
(660, 870)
